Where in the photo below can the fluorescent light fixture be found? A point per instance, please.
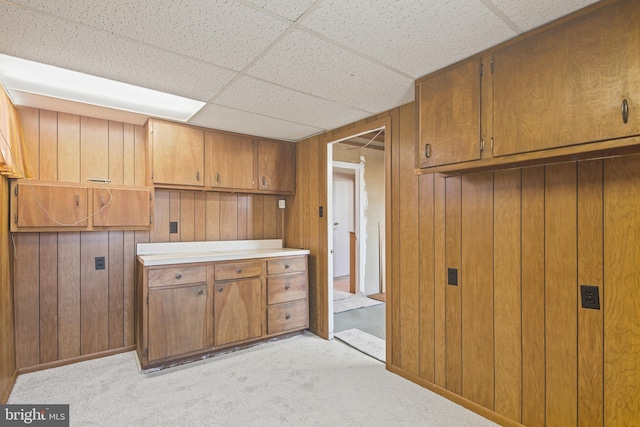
(42, 79)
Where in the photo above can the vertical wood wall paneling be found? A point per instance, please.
(68, 147)
(316, 239)
(228, 216)
(30, 119)
(69, 280)
(174, 214)
(409, 283)
(7, 321)
(140, 159)
(533, 290)
(258, 216)
(426, 193)
(200, 226)
(160, 231)
(243, 217)
(187, 216)
(453, 295)
(621, 295)
(270, 227)
(394, 292)
(129, 237)
(48, 297)
(561, 295)
(212, 216)
(440, 281)
(94, 148)
(128, 155)
(476, 289)
(48, 146)
(590, 272)
(507, 294)
(27, 298)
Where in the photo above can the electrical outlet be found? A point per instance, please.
(452, 276)
(281, 204)
(100, 263)
(590, 297)
(173, 227)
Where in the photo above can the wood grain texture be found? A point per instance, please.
(175, 207)
(116, 289)
(26, 297)
(69, 280)
(237, 310)
(394, 292)
(178, 153)
(48, 145)
(116, 153)
(621, 299)
(48, 297)
(533, 286)
(128, 155)
(476, 289)
(426, 195)
(507, 303)
(94, 148)
(228, 216)
(129, 266)
(161, 219)
(453, 297)
(440, 282)
(140, 159)
(8, 371)
(212, 206)
(590, 272)
(68, 147)
(94, 293)
(561, 295)
(30, 120)
(200, 225)
(187, 216)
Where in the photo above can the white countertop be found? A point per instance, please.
(150, 254)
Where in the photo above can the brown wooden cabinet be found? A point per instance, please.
(276, 166)
(569, 85)
(122, 207)
(177, 153)
(237, 310)
(287, 292)
(229, 161)
(449, 107)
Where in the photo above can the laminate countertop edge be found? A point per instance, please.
(217, 256)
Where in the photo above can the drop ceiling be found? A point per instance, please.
(275, 68)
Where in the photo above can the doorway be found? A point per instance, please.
(356, 215)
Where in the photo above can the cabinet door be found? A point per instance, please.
(567, 85)
(177, 320)
(229, 161)
(178, 154)
(449, 122)
(276, 166)
(48, 205)
(121, 207)
(237, 311)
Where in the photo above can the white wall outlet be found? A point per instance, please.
(281, 204)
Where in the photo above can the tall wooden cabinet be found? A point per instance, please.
(572, 84)
(229, 161)
(275, 171)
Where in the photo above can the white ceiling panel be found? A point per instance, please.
(72, 107)
(288, 9)
(257, 96)
(415, 37)
(312, 65)
(224, 118)
(43, 38)
(531, 14)
(222, 32)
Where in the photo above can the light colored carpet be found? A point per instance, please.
(300, 381)
(340, 295)
(358, 300)
(364, 342)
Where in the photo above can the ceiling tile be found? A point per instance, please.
(285, 8)
(44, 38)
(219, 117)
(415, 36)
(531, 14)
(72, 107)
(222, 32)
(257, 96)
(309, 64)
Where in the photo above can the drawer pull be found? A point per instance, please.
(625, 111)
(238, 270)
(77, 200)
(286, 266)
(220, 289)
(178, 276)
(287, 316)
(200, 292)
(287, 286)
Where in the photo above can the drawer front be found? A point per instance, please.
(177, 276)
(287, 317)
(286, 265)
(238, 270)
(286, 287)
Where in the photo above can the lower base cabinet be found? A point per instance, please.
(187, 310)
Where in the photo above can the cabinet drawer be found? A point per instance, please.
(286, 287)
(238, 270)
(286, 317)
(286, 265)
(177, 276)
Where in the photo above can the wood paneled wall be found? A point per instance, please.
(511, 340)
(8, 370)
(65, 309)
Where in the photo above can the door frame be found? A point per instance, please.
(380, 124)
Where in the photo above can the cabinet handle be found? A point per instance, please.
(286, 266)
(198, 176)
(77, 200)
(264, 181)
(218, 178)
(625, 111)
(287, 287)
(238, 270)
(178, 276)
(102, 199)
(220, 289)
(427, 150)
(200, 292)
(287, 316)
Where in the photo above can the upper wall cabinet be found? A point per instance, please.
(122, 207)
(229, 161)
(572, 84)
(177, 153)
(276, 166)
(449, 108)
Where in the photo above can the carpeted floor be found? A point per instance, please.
(301, 381)
(353, 302)
(364, 342)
